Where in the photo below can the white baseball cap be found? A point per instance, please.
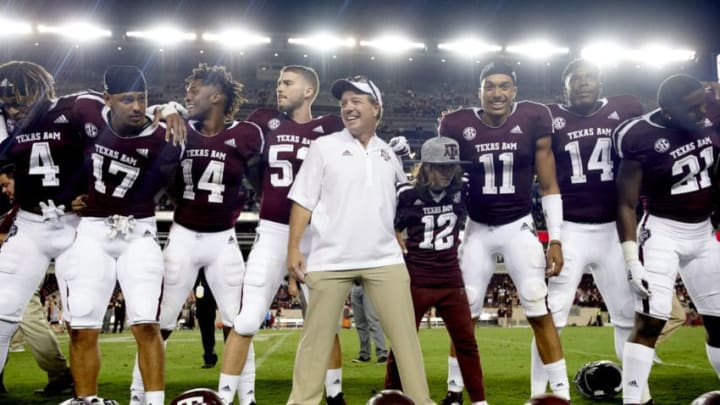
(359, 84)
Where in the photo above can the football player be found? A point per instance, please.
(208, 196)
(47, 155)
(586, 163)
(289, 130)
(508, 142)
(429, 216)
(668, 154)
(129, 163)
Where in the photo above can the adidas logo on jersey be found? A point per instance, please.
(319, 129)
(142, 152)
(231, 143)
(516, 130)
(418, 202)
(614, 116)
(61, 120)
(347, 153)
(231, 240)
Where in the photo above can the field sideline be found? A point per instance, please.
(505, 356)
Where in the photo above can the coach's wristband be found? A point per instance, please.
(553, 210)
(630, 252)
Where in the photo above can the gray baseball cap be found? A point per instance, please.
(441, 150)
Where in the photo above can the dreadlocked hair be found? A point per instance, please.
(218, 76)
(26, 81)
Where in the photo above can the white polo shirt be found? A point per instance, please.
(351, 193)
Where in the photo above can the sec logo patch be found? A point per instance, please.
(469, 133)
(273, 124)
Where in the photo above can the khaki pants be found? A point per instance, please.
(41, 339)
(676, 320)
(389, 291)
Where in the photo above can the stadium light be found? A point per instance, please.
(324, 42)
(76, 31)
(660, 55)
(236, 38)
(14, 28)
(537, 49)
(392, 44)
(604, 53)
(655, 55)
(163, 35)
(469, 47)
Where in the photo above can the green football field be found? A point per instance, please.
(684, 374)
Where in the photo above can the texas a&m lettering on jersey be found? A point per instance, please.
(48, 156)
(287, 145)
(432, 228)
(586, 160)
(675, 163)
(208, 190)
(503, 159)
(125, 173)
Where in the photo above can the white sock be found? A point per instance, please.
(637, 362)
(155, 398)
(246, 385)
(558, 378)
(538, 375)
(621, 337)
(455, 382)
(7, 329)
(480, 403)
(333, 382)
(713, 354)
(227, 387)
(137, 388)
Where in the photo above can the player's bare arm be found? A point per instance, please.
(547, 178)
(629, 179)
(299, 220)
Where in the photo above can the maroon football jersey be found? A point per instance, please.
(503, 159)
(125, 172)
(287, 145)
(433, 229)
(675, 163)
(209, 195)
(48, 156)
(586, 160)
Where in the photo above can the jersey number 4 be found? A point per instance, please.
(600, 159)
(211, 181)
(42, 164)
(444, 238)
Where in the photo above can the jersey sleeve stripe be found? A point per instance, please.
(262, 136)
(620, 133)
